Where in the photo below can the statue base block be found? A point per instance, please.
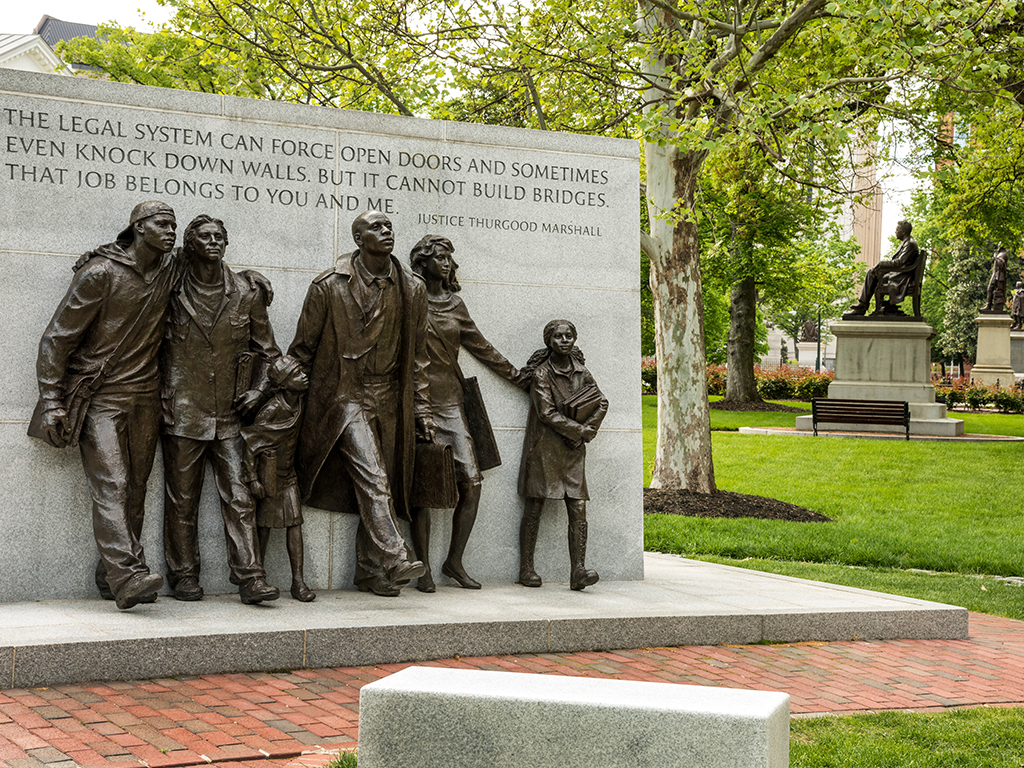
(1017, 352)
(887, 361)
(994, 344)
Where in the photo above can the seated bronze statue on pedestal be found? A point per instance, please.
(895, 278)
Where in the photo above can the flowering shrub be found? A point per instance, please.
(814, 385)
(649, 374)
(1008, 400)
(962, 391)
(772, 383)
(977, 396)
(791, 383)
(716, 379)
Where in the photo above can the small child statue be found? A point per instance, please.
(566, 410)
(270, 465)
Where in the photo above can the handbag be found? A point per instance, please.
(433, 477)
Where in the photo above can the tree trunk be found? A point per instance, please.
(740, 385)
(683, 455)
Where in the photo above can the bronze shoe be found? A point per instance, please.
(256, 590)
(139, 588)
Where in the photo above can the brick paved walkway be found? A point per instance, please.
(271, 719)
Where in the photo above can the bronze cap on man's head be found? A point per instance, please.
(147, 209)
(140, 212)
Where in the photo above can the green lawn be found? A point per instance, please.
(966, 738)
(939, 506)
(911, 505)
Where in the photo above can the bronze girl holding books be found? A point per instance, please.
(566, 410)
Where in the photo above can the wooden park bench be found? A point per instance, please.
(860, 412)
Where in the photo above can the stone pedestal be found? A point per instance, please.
(887, 360)
(992, 364)
(808, 353)
(1017, 352)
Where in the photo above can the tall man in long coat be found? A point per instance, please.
(996, 292)
(218, 324)
(361, 327)
(98, 387)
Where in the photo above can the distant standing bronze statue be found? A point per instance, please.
(996, 295)
(449, 327)
(213, 368)
(98, 388)
(890, 277)
(1017, 309)
(360, 340)
(566, 410)
(270, 466)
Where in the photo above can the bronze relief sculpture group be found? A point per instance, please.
(151, 342)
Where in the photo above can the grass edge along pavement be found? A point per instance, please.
(898, 508)
(964, 738)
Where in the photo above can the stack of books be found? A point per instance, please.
(582, 404)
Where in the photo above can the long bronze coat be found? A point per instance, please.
(550, 468)
(900, 273)
(199, 365)
(331, 346)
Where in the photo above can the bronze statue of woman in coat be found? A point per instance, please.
(450, 327)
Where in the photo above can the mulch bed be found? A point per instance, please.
(725, 504)
(722, 405)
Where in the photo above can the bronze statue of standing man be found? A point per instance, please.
(996, 293)
(360, 341)
(214, 359)
(98, 388)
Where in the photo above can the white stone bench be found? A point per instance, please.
(428, 717)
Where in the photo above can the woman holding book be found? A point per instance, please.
(566, 410)
(450, 327)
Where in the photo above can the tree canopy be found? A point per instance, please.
(695, 81)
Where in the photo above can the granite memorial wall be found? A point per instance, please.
(544, 225)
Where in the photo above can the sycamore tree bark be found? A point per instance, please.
(740, 384)
(683, 455)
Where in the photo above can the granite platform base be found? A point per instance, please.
(680, 602)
